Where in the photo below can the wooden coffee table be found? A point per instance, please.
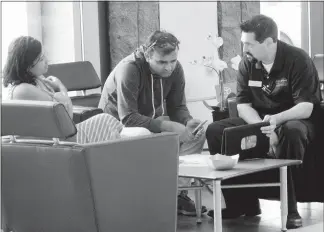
(201, 171)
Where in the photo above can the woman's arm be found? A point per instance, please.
(65, 100)
(61, 93)
(26, 91)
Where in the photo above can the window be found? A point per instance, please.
(56, 24)
(289, 26)
(14, 24)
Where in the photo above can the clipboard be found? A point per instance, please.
(232, 137)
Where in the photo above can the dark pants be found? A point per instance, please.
(294, 137)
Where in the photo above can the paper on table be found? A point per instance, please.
(198, 160)
(193, 160)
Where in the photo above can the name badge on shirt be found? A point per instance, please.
(255, 83)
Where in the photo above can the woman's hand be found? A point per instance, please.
(54, 81)
(56, 84)
(52, 84)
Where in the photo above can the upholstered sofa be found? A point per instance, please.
(54, 185)
(309, 181)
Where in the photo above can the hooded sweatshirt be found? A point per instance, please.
(128, 94)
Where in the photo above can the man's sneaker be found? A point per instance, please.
(186, 206)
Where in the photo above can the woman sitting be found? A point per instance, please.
(23, 75)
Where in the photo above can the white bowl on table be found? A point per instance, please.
(222, 162)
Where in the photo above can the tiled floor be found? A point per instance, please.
(268, 221)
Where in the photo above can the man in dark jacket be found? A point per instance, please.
(147, 89)
(276, 83)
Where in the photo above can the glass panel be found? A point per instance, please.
(58, 31)
(287, 15)
(14, 24)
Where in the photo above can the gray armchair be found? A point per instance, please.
(56, 185)
(79, 76)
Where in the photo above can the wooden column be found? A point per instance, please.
(130, 23)
(230, 15)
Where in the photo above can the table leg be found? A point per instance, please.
(217, 206)
(283, 197)
(198, 202)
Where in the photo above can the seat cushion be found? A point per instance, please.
(91, 100)
(82, 113)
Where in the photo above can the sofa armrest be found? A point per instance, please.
(135, 178)
(232, 107)
(45, 188)
(81, 113)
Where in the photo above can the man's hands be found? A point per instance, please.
(269, 130)
(185, 132)
(192, 124)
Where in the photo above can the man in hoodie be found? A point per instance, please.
(147, 89)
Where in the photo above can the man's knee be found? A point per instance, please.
(294, 129)
(213, 129)
(216, 128)
(134, 131)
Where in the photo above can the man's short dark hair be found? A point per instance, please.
(262, 26)
(164, 41)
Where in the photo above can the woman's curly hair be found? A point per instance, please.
(22, 54)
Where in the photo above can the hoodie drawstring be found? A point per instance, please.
(153, 97)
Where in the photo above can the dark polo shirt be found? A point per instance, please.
(292, 79)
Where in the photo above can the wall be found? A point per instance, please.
(192, 29)
(292, 25)
(103, 40)
(34, 20)
(58, 31)
(90, 39)
(316, 27)
(9, 21)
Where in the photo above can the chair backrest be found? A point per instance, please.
(79, 75)
(318, 60)
(134, 183)
(45, 184)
